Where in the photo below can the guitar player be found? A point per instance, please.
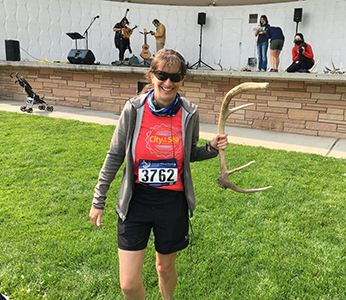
(160, 34)
(120, 41)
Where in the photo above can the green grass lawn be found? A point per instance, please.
(288, 242)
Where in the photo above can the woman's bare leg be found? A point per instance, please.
(165, 266)
(131, 267)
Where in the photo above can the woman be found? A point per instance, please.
(120, 42)
(302, 56)
(277, 40)
(157, 133)
(262, 43)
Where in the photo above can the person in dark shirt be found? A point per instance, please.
(277, 40)
(262, 43)
(120, 41)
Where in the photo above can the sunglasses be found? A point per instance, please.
(174, 77)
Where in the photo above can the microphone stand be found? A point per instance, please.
(86, 31)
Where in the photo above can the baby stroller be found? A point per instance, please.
(31, 97)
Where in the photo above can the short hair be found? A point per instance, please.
(156, 21)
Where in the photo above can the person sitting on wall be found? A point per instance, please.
(302, 56)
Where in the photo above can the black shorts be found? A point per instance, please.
(163, 210)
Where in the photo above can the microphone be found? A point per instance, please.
(128, 9)
(96, 17)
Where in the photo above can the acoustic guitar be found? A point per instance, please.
(126, 32)
(145, 54)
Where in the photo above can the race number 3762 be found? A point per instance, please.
(158, 172)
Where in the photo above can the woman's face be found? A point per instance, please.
(165, 90)
(262, 20)
(297, 38)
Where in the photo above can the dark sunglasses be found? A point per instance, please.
(174, 77)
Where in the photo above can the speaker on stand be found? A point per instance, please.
(201, 18)
(201, 21)
(12, 50)
(297, 17)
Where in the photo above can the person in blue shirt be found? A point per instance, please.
(277, 40)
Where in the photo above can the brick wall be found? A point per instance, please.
(305, 104)
(303, 107)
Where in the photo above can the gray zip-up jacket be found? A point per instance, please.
(123, 145)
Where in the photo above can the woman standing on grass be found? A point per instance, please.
(157, 133)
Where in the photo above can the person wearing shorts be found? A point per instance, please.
(277, 40)
(157, 133)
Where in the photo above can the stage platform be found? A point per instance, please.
(301, 103)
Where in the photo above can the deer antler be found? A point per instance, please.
(225, 112)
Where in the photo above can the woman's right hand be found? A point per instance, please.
(95, 216)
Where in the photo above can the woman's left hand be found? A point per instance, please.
(220, 141)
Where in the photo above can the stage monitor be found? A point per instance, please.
(81, 56)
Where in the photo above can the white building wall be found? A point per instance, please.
(41, 26)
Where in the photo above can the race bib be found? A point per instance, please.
(158, 173)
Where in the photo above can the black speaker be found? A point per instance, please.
(140, 86)
(201, 18)
(12, 50)
(81, 56)
(298, 12)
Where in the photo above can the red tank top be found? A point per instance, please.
(159, 153)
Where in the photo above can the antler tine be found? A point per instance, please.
(225, 112)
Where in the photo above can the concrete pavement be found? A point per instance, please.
(326, 146)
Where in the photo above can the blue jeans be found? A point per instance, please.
(262, 55)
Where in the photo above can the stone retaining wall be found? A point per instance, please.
(304, 103)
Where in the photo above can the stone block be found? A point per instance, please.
(76, 83)
(335, 111)
(290, 94)
(325, 96)
(320, 126)
(65, 92)
(328, 88)
(267, 109)
(299, 114)
(296, 85)
(100, 93)
(83, 77)
(313, 88)
(195, 95)
(105, 106)
(249, 114)
(267, 125)
(340, 89)
(330, 117)
(277, 116)
(207, 118)
(300, 131)
(284, 104)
